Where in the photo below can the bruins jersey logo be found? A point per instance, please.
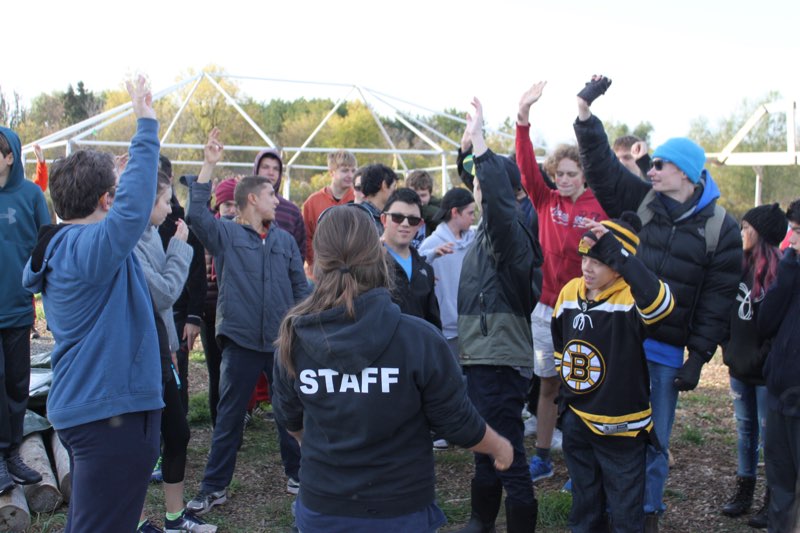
(582, 367)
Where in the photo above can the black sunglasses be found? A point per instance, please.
(658, 164)
(398, 218)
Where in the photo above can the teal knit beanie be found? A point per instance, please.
(685, 154)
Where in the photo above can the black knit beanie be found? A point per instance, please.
(769, 221)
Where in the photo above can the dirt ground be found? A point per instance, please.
(703, 445)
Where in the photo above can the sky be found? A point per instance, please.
(670, 62)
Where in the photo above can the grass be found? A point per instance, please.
(692, 435)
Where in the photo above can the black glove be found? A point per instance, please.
(609, 251)
(594, 88)
(689, 375)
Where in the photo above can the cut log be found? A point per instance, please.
(14, 514)
(43, 497)
(63, 473)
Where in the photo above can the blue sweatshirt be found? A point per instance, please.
(23, 211)
(106, 358)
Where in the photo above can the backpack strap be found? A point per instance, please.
(644, 212)
(713, 229)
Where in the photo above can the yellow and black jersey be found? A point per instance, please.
(599, 353)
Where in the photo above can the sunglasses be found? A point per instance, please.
(658, 164)
(398, 218)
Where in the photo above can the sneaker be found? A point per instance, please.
(148, 527)
(248, 417)
(157, 476)
(203, 502)
(6, 482)
(440, 444)
(188, 523)
(20, 472)
(292, 486)
(567, 486)
(540, 469)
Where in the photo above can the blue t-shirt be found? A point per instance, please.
(403, 262)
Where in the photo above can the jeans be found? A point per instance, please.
(498, 393)
(750, 410)
(111, 461)
(15, 375)
(603, 469)
(213, 363)
(663, 400)
(238, 375)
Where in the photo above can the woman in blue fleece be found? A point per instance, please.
(105, 400)
(347, 357)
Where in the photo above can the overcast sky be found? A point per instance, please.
(670, 62)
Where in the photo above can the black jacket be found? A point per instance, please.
(368, 393)
(189, 306)
(746, 351)
(495, 292)
(672, 245)
(417, 296)
(779, 318)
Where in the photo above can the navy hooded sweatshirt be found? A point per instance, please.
(368, 393)
(23, 210)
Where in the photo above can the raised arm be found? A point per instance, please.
(207, 228)
(118, 233)
(532, 179)
(616, 188)
(498, 204)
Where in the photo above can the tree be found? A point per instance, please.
(737, 183)
(615, 130)
(80, 105)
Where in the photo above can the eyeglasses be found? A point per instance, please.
(658, 164)
(398, 218)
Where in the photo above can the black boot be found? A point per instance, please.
(759, 520)
(22, 473)
(742, 499)
(6, 482)
(485, 501)
(651, 523)
(521, 518)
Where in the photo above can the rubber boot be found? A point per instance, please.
(742, 499)
(521, 518)
(760, 519)
(485, 501)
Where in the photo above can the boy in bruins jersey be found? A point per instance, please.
(599, 324)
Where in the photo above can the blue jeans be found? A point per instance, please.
(239, 373)
(663, 400)
(750, 410)
(603, 469)
(498, 393)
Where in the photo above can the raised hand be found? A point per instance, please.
(639, 149)
(141, 97)
(595, 87)
(120, 162)
(37, 150)
(528, 98)
(475, 128)
(212, 152)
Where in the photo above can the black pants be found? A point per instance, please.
(182, 355)
(213, 362)
(15, 377)
(175, 432)
(605, 471)
(782, 455)
(111, 461)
